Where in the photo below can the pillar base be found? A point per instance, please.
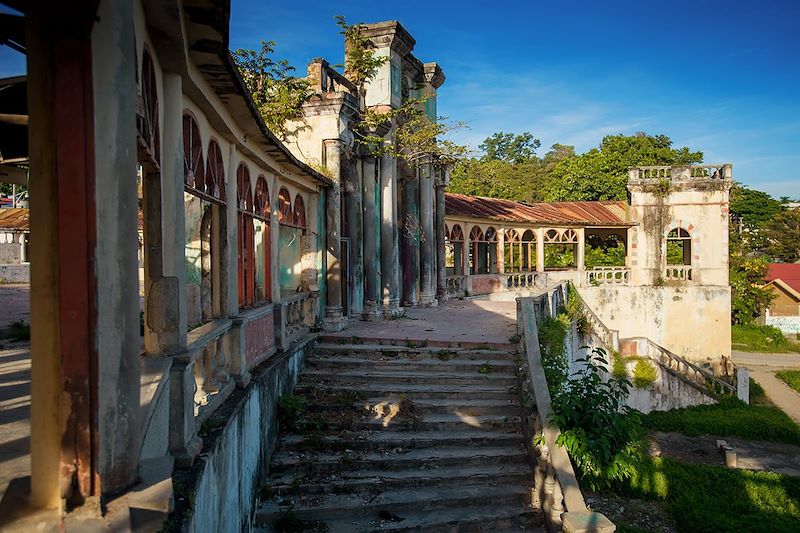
(441, 295)
(428, 299)
(333, 321)
(392, 309)
(371, 312)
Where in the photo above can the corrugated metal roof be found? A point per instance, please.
(604, 213)
(15, 218)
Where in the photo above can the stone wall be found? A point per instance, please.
(238, 442)
(15, 273)
(691, 321)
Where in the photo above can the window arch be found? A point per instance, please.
(147, 111)
(299, 212)
(456, 235)
(491, 234)
(215, 172)
(284, 206)
(679, 247)
(243, 191)
(261, 200)
(476, 235)
(193, 168)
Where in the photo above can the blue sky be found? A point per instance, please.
(719, 76)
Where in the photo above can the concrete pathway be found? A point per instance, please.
(762, 369)
(470, 320)
(15, 403)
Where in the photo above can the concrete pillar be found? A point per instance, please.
(390, 245)
(465, 255)
(441, 269)
(333, 308)
(539, 249)
(580, 259)
(274, 233)
(230, 251)
(351, 169)
(427, 296)
(116, 293)
(409, 239)
(501, 251)
(371, 235)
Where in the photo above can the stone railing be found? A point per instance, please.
(456, 286)
(609, 338)
(208, 348)
(698, 375)
(678, 273)
(682, 172)
(526, 280)
(294, 317)
(556, 490)
(608, 275)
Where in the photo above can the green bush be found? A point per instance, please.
(290, 410)
(618, 367)
(605, 256)
(755, 338)
(729, 418)
(552, 343)
(704, 498)
(791, 377)
(600, 432)
(644, 374)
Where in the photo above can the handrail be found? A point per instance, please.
(609, 337)
(556, 487)
(675, 362)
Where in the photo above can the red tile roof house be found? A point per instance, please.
(783, 280)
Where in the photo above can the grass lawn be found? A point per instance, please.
(754, 338)
(791, 377)
(729, 418)
(715, 499)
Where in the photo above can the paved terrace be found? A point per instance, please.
(455, 321)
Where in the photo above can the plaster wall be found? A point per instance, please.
(691, 321)
(15, 273)
(11, 252)
(228, 478)
(787, 324)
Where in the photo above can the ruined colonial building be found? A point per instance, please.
(674, 230)
(385, 214)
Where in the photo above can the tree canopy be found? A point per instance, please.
(510, 148)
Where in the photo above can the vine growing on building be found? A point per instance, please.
(278, 94)
(360, 62)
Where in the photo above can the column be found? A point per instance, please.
(501, 251)
(580, 260)
(427, 296)
(410, 236)
(441, 269)
(539, 249)
(230, 250)
(333, 308)
(353, 211)
(465, 254)
(370, 230)
(274, 240)
(390, 245)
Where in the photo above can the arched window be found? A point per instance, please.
(457, 235)
(476, 235)
(285, 207)
(215, 173)
(560, 249)
(261, 201)
(455, 265)
(147, 113)
(520, 251)
(193, 168)
(679, 247)
(243, 191)
(246, 262)
(299, 214)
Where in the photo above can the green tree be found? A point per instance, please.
(746, 275)
(278, 95)
(751, 206)
(509, 147)
(602, 173)
(360, 62)
(782, 236)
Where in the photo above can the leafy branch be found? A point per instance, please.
(360, 63)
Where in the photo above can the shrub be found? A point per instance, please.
(644, 374)
(600, 432)
(290, 409)
(618, 367)
(552, 338)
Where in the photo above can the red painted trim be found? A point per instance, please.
(74, 138)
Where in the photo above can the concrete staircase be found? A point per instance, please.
(397, 437)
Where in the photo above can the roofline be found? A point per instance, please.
(785, 286)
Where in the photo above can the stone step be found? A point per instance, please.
(422, 422)
(455, 365)
(410, 501)
(355, 377)
(376, 351)
(414, 391)
(342, 339)
(388, 439)
(478, 519)
(425, 405)
(297, 483)
(420, 459)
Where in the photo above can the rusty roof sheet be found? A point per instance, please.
(603, 213)
(15, 219)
